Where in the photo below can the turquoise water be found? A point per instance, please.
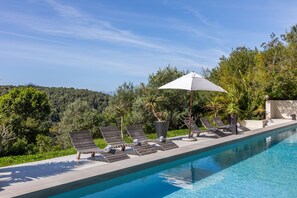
(262, 167)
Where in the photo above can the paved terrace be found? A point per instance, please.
(59, 174)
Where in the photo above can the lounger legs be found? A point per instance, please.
(78, 155)
(123, 148)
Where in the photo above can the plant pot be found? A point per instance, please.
(232, 120)
(161, 128)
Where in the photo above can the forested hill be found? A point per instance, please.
(61, 97)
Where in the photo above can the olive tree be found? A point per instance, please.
(78, 116)
(172, 103)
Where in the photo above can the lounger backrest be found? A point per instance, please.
(136, 132)
(112, 135)
(206, 123)
(194, 127)
(82, 140)
(218, 121)
(243, 128)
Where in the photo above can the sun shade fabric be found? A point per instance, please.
(192, 81)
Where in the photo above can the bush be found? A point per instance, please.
(43, 143)
(7, 137)
(20, 147)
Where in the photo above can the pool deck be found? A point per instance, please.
(48, 177)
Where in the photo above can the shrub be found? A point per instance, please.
(19, 147)
(43, 143)
(7, 137)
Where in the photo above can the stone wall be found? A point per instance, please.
(280, 108)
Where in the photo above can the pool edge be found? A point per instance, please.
(93, 175)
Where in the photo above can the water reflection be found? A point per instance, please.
(185, 175)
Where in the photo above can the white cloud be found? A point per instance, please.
(195, 31)
(64, 10)
(202, 18)
(70, 26)
(76, 41)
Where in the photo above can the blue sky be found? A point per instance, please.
(99, 44)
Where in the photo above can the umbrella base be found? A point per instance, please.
(189, 139)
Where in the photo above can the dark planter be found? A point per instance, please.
(161, 128)
(232, 121)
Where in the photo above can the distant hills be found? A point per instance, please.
(111, 93)
(61, 97)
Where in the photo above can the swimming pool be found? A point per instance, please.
(262, 166)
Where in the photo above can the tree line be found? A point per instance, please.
(31, 116)
(251, 74)
(38, 119)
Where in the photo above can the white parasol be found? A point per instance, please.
(192, 82)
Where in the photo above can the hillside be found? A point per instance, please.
(61, 97)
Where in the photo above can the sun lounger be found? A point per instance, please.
(243, 128)
(206, 123)
(113, 137)
(136, 132)
(84, 143)
(194, 128)
(221, 125)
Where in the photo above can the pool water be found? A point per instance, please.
(261, 167)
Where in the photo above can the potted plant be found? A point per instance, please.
(232, 110)
(260, 112)
(161, 125)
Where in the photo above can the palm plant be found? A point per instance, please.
(233, 98)
(214, 105)
(151, 103)
(260, 111)
(232, 109)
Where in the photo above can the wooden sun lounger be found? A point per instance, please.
(113, 137)
(220, 124)
(243, 128)
(194, 128)
(136, 132)
(84, 143)
(206, 123)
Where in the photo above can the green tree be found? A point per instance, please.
(120, 105)
(25, 111)
(60, 98)
(174, 102)
(254, 74)
(78, 116)
(278, 62)
(237, 74)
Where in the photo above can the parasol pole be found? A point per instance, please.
(190, 113)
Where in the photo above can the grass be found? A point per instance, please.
(13, 160)
(19, 159)
(170, 134)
